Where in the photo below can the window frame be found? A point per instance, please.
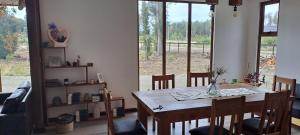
(189, 40)
(261, 28)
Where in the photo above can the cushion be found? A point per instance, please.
(250, 126)
(11, 104)
(297, 92)
(129, 126)
(205, 131)
(296, 109)
(25, 85)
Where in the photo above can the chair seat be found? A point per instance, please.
(129, 126)
(296, 108)
(205, 131)
(250, 126)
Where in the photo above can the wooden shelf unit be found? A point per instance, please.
(77, 85)
(67, 88)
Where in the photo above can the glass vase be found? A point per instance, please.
(213, 89)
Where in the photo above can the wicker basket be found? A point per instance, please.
(64, 128)
(64, 124)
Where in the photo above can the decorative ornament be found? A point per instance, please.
(59, 37)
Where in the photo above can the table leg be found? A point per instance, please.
(142, 115)
(163, 127)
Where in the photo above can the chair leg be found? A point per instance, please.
(153, 124)
(183, 128)
(173, 124)
(197, 124)
(218, 121)
(190, 121)
(290, 126)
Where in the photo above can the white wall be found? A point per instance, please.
(230, 40)
(103, 32)
(288, 55)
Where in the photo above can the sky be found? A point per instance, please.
(271, 8)
(179, 11)
(19, 13)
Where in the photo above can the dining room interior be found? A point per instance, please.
(149, 67)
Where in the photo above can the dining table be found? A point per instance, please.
(191, 103)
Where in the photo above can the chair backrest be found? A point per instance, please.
(163, 81)
(274, 112)
(195, 76)
(233, 107)
(280, 82)
(109, 113)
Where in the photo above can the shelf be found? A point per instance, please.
(82, 103)
(52, 47)
(76, 85)
(81, 66)
(65, 104)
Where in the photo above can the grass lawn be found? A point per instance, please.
(13, 73)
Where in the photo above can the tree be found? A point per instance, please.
(269, 19)
(275, 18)
(155, 9)
(146, 29)
(10, 29)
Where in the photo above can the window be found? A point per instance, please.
(270, 18)
(14, 49)
(177, 42)
(266, 55)
(180, 46)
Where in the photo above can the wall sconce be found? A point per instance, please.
(235, 4)
(212, 4)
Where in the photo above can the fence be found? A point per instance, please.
(268, 50)
(203, 46)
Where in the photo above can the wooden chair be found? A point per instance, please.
(122, 126)
(286, 84)
(163, 83)
(195, 77)
(220, 108)
(290, 84)
(273, 116)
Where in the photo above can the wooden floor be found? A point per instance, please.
(99, 128)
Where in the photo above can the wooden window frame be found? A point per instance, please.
(164, 34)
(261, 28)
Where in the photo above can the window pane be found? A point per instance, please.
(14, 49)
(267, 65)
(150, 42)
(201, 38)
(271, 18)
(176, 46)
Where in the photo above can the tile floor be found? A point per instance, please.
(99, 128)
